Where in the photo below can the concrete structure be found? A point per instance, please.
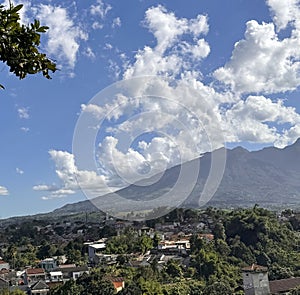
(56, 276)
(4, 265)
(93, 249)
(72, 272)
(255, 280)
(48, 264)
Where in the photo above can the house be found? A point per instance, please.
(72, 272)
(39, 288)
(180, 246)
(4, 265)
(105, 259)
(33, 275)
(55, 276)
(12, 277)
(93, 249)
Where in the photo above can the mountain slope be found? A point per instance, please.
(269, 177)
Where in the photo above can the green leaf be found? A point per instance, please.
(17, 8)
(42, 29)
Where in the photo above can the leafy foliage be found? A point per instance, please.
(19, 45)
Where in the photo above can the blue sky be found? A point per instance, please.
(227, 70)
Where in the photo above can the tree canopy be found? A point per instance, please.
(19, 45)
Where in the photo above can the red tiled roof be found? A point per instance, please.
(206, 236)
(116, 279)
(35, 271)
(255, 268)
(284, 285)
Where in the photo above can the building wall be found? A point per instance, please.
(4, 266)
(256, 283)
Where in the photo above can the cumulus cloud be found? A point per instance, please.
(172, 53)
(45, 187)
(98, 12)
(251, 121)
(116, 22)
(72, 179)
(25, 129)
(89, 53)
(23, 113)
(3, 191)
(100, 9)
(64, 35)
(65, 32)
(285, 12)
(184, 115)
(261, 63)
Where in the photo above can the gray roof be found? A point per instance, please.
(39, 285)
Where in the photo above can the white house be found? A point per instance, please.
(93, 249)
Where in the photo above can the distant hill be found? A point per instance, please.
(269, 178)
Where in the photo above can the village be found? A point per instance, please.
(168, 245)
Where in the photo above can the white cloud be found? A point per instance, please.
(262, 63)
(72, 178)
(45, 187)
(25, 129)
(89, 53)
(19, 171)
(3, 191)
(189, 116)
(251, 121)
(98, 13)
(23, 113)
(97, 26)
(172, 53)
(65, 32)
(108, 46)
(100, 9)
(251, 70)
(116, 22)
(285, 12)
(64, 35)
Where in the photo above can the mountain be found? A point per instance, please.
(269, 177)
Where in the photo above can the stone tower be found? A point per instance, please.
(255, 280)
